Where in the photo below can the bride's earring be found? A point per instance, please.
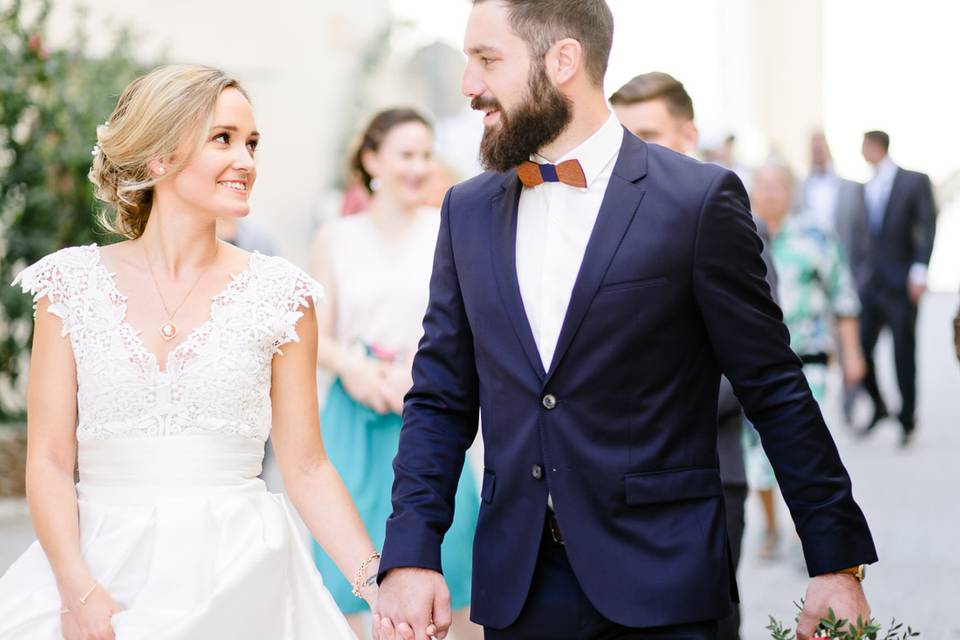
(375, 184)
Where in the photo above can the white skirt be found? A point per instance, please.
(188, 542)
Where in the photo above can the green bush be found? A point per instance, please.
(51, 100)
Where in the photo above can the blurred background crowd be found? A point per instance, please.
(840, 118)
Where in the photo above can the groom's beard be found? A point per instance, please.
(536, 122)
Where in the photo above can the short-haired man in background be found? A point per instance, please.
(902, 215)
(656, 108)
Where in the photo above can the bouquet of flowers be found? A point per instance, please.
(843, 629)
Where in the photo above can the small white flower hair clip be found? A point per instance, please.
(96, 147)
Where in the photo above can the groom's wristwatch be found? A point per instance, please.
(859, 572)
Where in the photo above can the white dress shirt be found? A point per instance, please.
(821, 197)
(877, 192)
(554, 224)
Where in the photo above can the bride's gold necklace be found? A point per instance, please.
(168, 329)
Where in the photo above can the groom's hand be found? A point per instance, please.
(838, 591)
(414, 604)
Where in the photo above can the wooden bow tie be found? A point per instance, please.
(568, 172)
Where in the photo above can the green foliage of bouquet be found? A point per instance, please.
(51, 100)
(832, 627)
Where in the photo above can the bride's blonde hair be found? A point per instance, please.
(155, 115)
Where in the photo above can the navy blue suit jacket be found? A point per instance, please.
(670, 294)
(905, 236)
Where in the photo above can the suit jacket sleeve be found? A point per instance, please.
(925, 222)
(752, 347)
(440, 419)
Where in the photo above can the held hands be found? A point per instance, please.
(837, 591)
(89, 621)
(414, 605)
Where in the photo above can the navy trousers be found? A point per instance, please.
(557, 609)
(886, 309)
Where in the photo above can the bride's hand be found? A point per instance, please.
(365, 381)
(371, 594)
(90, 621)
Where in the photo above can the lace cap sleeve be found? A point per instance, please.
(297, 292)
(55, 277)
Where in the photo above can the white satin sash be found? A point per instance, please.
(147, 470)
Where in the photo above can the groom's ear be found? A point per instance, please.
(564, 60)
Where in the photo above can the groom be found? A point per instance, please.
(587, 303)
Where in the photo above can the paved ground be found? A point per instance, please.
(909, 497)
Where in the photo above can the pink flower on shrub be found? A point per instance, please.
(35, 44)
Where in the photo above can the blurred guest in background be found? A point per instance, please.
(815, 291)
(245, 235)
(956, 333)
(656, 107)
(816, 288)
(902, 220)
(836, 204)
(717, 146)
(375, 266)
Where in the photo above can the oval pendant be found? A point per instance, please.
(168, 330)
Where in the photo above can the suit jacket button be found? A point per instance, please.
(536, 472)
(549, 401)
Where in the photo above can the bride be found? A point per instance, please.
(162, 363)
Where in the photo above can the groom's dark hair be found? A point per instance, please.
(542, 22)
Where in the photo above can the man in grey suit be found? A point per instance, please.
(839, 205)
(836, 204)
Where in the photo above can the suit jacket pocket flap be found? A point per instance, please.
(673, 485)
(632, 284)
(489, 484)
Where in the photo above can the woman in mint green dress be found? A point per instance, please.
(375, 266)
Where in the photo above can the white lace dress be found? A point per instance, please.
(174, 522)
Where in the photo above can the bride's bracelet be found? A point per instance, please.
(83, 598)
(362, 580)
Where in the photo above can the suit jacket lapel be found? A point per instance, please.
(617, 211)
(893, 199)
(505, 205)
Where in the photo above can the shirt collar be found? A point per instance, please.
(826, 173)
(596, 152)
(886, 169)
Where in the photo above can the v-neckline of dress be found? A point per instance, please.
(233, 284)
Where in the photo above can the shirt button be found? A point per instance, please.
(536, 472)
(549, 401)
